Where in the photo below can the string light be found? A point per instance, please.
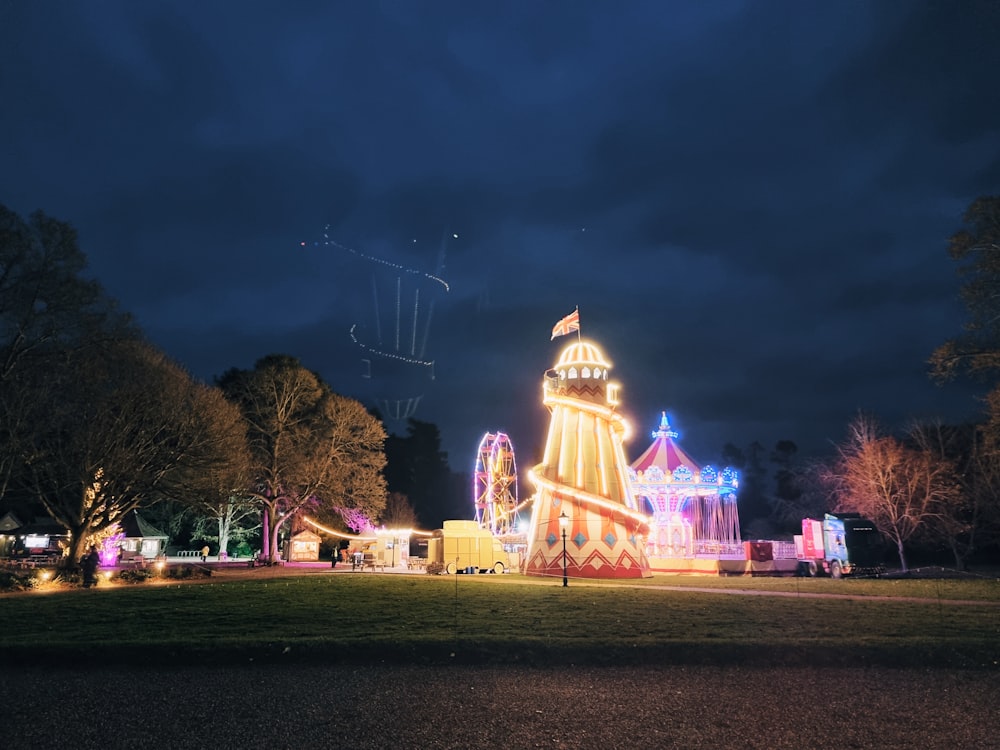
(382, 261)
(367, 537)
(389, 355)
(401, 328)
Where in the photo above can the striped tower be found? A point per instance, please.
(584, 475)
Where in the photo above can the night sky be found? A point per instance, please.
(749, 202)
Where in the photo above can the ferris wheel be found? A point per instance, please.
(495, 484)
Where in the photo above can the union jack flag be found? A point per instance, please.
(567, 325)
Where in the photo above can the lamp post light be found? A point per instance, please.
(563, 523)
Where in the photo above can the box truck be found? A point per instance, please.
(467, 547)
(839, 545)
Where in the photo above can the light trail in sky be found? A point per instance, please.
(394, 341)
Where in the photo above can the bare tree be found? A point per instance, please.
(308, 445)
(900, 488)
(398, 512)
(116, 426)
(234, 518)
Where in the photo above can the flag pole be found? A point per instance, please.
(579, 335)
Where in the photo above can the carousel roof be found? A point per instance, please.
(664, 453)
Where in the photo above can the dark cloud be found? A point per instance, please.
(750, 203)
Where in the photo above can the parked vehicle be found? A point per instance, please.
(839, 545)
(467, 547)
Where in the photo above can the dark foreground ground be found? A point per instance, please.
(402, 707)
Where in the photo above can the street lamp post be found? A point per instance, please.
(563, 523)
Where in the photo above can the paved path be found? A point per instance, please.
(357, 708)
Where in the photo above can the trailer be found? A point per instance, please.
(465, 546)
(841, 544)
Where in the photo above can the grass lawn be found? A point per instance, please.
(424, 619)
(979, 588)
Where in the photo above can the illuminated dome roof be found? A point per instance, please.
(665, 454)
(582, 353)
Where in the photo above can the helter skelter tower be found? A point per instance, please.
(584, 474)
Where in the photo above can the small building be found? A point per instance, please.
(303, 547)
(383, 548)
(141, 539)
(391, 547)
(44, 539)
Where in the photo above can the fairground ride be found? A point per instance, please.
(495, 484)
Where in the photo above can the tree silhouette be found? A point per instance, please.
(418, 469)
(977, 249)
(47, 308)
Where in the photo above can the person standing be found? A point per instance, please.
(90, 563)
(204, 553)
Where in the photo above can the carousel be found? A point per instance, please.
(691, 508)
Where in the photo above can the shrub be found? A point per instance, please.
(188, 571)
(69, 577)
(135, 575)
(11, 580)
(24, 580)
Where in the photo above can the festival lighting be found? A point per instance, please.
(494, 484)
(393, 339)
(586, 498)
(110, 544)
(334, 532)
(366, 537)
(698, 502)
(381, 261)
(389, 355)
(582, 489)
(661, 495)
